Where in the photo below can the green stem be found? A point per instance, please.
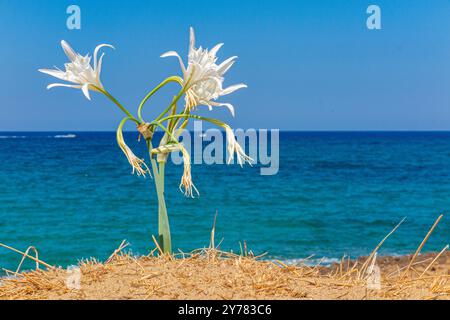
(152, 161)
(151, 93)
(174, 101)
(184, 88)
(106, 93)
(193, 116)
(166, 131)
(164, 238)
(163, 220)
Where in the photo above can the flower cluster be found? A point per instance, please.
(201, 84)
(79, 71)
(203, 77)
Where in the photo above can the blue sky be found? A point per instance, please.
(309, 65)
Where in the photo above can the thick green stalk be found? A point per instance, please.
(163, 219)
(165, 241)
(164, 238)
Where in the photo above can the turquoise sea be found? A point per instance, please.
(72, 196)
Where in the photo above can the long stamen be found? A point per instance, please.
(234, 147)
(139, 166)
(186, 180)
(186, 184)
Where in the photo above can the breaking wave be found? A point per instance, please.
(65, 136)
(12, 137)
(59, 136)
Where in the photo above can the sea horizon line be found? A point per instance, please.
(280, 130)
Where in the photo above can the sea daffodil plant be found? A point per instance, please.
(201, 84)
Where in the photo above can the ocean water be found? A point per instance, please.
(72, 196)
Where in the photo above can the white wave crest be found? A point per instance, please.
(12, 137)
(65, 136)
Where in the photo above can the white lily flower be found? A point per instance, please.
(234, 147)
(79, 70)
(203, 77)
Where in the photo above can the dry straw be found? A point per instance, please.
(210, 273)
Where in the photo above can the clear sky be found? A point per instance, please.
(309, 65)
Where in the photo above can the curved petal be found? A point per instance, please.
(191, 39)
(233, 88)
(97, 48)
(98, 68)
(216, 48)
(229, 106)
(68, 51)
(54, 73)
(231, 141)
(242, 158)
(63, 85)
(224, 66)
(175, 54)
(85, 89)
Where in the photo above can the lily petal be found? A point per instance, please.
(233, 88)
(231, 141)
(191, 39)
(68, 50)
(53, 85)
(98, 68)
(216, 48)
(226, 65)
(54, 73)
(85, 89)
(97, 48)
(229, 106)
(175, 54)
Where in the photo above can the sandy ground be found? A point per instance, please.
(210, 274)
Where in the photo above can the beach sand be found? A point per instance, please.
(211, 274)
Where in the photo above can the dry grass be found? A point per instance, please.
(213, 274)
